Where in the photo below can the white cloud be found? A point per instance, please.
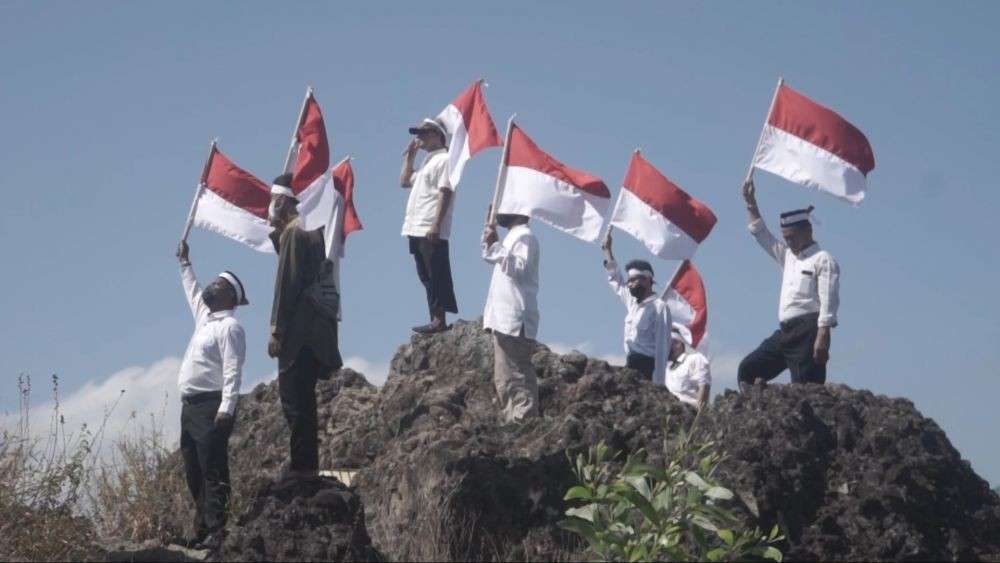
(375, 372)
(132, 400)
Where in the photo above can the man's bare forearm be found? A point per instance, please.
(444, 201)
(407, 172)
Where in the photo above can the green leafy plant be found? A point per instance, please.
(644, 512)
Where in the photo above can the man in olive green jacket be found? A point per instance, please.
(303, 330)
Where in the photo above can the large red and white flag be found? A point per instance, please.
(539, 186)
(688, 304)
(326, 197)
(233, 203)
(812, 145)
(470, 127)
(662, 216)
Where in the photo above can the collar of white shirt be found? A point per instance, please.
(220, 314)
(807, 251)
(432, 154)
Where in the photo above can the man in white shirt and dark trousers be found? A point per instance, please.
(427, 224)
(511, 314)
(807, 310)
(688, 376)
(647, 322)
(209, 383)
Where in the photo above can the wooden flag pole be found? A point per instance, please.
(295, 130)
(761, 138)
(501, 173)
(673, 278)
(199, 190)
(607, 231)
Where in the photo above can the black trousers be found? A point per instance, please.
(297, 390)
(641, 363)
(434, 271)
(790, 347)
(206, 461)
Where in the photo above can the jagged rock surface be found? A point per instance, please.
(301, 520)
(847, 474)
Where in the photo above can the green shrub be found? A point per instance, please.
(642, 512)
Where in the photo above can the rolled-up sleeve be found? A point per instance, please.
(828, 288)
(701, 372)
(232, 345)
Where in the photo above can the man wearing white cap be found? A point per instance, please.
(303, 325)
(647, 321)
(209, 382)
(688, 377)
(427, 223)
(807, 309)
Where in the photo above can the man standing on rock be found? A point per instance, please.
(427, 224)
(647, 322)
(689, 377)
(511, 314)
(209, 383)
(303, 325)
(807, 309)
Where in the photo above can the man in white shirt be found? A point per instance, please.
(807, 309)
(427, 224)
(209, 382)
(511, 314)
(647, 321)
(688, 377)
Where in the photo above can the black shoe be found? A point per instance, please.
(430, 328)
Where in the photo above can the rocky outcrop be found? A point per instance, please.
(847, 474)
(300, 520)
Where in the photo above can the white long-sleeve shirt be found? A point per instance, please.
(647, 323)
(686, 375)
(512, 302)
(214, 357)
(810, 280)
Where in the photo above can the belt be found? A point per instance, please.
(801, 319)
(196, 398)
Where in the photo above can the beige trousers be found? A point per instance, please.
(514, 376)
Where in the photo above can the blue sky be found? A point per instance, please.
(106, 111)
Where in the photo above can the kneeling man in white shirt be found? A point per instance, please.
(209, 382)
(688, 375)
(512, 314)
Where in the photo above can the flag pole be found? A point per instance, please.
(199, 190)
(501, 172)
(295, 130)
(607, 231)
(673, 278)
(760, 139)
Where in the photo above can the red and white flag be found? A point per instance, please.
(326, 197)
(811, 145)
(233, 203)
(688, 304)
(661, 215)
(470, 127)
(539, 186)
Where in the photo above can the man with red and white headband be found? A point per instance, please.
(647, 322)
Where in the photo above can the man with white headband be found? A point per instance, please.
(688, 377)
(209, 383)
(647, 321)
(303, 325)
(427, 224)
(807, 309)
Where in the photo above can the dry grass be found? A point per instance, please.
(60, 496)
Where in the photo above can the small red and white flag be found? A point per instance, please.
(812, 145)
(539, 186)
(662, 216)
(233, 203)
(470, 127)
(326, 197)
(688, 304)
